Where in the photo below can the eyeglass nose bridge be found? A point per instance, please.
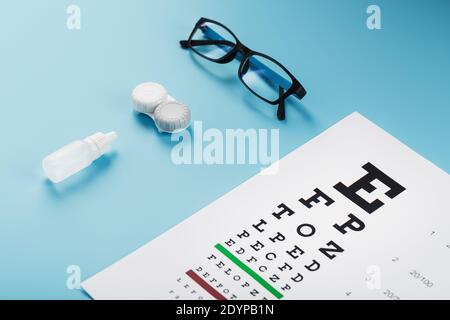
(244, 52)
(243, 49)
(239, 49)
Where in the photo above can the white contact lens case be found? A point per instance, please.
(168, 114)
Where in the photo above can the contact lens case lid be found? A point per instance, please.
(147, 96)
(172, 116)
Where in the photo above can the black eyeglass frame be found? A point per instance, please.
(296, 87)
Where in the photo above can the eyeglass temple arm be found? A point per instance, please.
(281, 112)
(272, 75)
(185, 44)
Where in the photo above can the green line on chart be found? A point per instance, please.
(249, 271)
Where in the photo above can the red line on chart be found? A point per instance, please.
(202, 283)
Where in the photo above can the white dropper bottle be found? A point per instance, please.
(76, 156)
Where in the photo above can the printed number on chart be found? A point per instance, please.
(421, 278)
(391, 295)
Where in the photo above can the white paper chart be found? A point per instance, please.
(352, 214)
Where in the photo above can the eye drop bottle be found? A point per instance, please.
(76, 156)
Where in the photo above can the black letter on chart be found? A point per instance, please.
(314, 266)
(293, 254)
(278, 237)
(310, 230)
(353, 224)
(285, 209)
(258, 226)
(316, 199)
(335, 248)
(257, 246)
(373, 173)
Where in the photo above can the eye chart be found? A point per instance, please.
(352, 214)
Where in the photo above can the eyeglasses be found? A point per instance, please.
(265, 77)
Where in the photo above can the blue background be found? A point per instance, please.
(59, 85)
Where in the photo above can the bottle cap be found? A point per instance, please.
(147, 96)
(100, 142)
(172, 116)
